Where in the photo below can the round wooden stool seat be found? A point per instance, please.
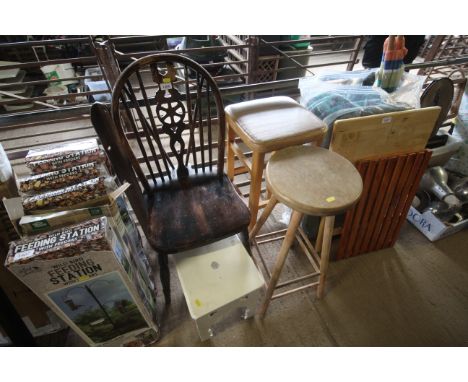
(313, 180)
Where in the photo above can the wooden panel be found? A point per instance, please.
(414, 184)
(383, 135)
(375, 221)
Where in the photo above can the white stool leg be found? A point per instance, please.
(325, 253)
(283, 254)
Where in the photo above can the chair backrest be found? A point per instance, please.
(171, 112)
(122, 158)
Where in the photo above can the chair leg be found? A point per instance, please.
(263, 217)
(244, 237)
(255, 185)
(325, 253)
(230, 152)
(165, 276)
(283, 254)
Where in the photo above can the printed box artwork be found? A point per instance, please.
(87, 275)
(88, 193)
(61, 178)
(119, 218)
(58, 157)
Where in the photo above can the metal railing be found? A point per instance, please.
(34, 57)
(76, 123)
(21, 130)
(245, 60)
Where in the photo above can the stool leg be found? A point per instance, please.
(283, 254)
(325, 253)
(255, 185)
(319, 241)
(230, 152)
(263, 217)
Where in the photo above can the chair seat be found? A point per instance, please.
(273, 123)
(183, 218)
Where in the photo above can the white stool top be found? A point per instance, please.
(215, 275)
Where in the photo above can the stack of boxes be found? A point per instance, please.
(38, 318)
(80, 251)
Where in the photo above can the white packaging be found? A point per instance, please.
(431, 227)
(84, 273)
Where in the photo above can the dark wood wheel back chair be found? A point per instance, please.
(165, 135)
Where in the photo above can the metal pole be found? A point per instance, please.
(252, 58)
(355, 53)
(100, 305)
(297, 63)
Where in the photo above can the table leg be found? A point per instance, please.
(255, 185)
(325, 253)
(283, 254)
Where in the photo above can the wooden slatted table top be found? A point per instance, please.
(313, 180)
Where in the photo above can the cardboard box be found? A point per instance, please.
(119, 217)
(116, 210)
(57, 157)
(39, 319)
(431, 227)
(85, 274)
(89, 193)
(65, 177)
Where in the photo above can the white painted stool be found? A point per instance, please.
(218, 280)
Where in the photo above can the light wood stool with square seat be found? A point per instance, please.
(266, 125)
(313, 181)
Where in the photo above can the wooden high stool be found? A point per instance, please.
(266, 125)
(313, 181)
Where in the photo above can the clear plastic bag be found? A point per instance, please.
(339, 95)
(353, 78)
(409, 91)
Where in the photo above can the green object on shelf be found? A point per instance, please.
(300, 45)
